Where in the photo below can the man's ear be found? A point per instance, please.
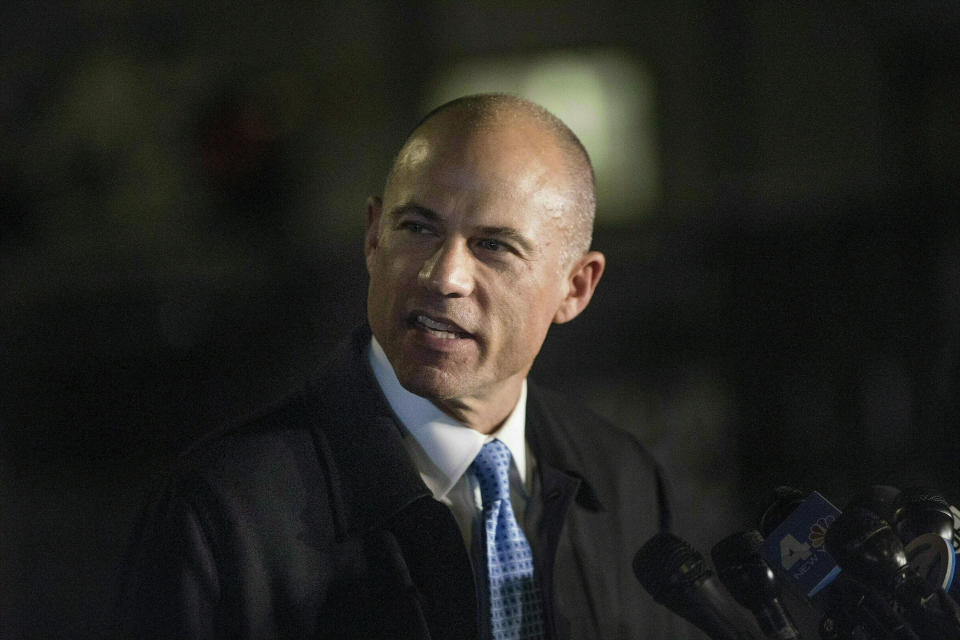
(581, 283)
(371, 236)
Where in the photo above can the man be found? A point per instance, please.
(361, 507)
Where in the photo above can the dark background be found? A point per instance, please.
(182, 187)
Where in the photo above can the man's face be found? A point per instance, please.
(464, 258)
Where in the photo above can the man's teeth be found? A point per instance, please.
(438, 329)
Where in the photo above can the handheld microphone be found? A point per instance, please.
(866, 546)
(924, 522)
(793, 548)
(944, 506)
(919, 510)
(784, 501)
(751, 582)
(879, 498)
(677, 577)
(796, 525)
(934, 560)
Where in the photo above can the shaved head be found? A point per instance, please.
(486, 112)
(478, 246)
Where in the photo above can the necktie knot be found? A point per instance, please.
(492, 470)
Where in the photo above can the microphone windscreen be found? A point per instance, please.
(742, 569)
(794, 548)
(677, 577)
(919, 510)
(667, 566)
(782, 502)
(879, 498)
(865, 545)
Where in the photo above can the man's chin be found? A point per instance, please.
(433, 384)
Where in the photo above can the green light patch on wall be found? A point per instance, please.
(605, 96)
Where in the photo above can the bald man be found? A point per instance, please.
(361, 507)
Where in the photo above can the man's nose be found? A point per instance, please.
(449, 270)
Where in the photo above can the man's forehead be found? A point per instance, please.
(416, 151)
(519, 198)
(495, 160)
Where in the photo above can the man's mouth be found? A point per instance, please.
(439, 329)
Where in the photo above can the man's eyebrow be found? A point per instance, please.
(410, 207)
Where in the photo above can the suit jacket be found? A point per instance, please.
(311, 521)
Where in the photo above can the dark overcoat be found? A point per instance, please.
(311, 521)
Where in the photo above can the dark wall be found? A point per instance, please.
(182, 189)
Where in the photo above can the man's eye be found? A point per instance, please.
(492, 245)
(414, 227)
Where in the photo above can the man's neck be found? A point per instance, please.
(484, 414)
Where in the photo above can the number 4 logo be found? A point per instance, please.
(792, 551)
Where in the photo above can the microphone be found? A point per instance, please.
(934, 560)
(867, 546)
(919, 510)
(924, 522)
(795, 524)
(751, 582)
(785, 501)
(677, 577)
(881, 499)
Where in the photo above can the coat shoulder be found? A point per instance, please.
(267, 441)
(610, 459)
(578, 428)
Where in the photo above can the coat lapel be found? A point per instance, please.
(563, 488)
(377, 493)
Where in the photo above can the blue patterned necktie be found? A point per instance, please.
(515, 608)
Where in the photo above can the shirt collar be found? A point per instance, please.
(450, 445)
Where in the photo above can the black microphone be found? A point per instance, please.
(783, 502)
(751, 582)
(924, 521)
(879, 498)
(935, 561)
(919, 510)
(795, 524)
(793, 527)
(865, 545)
(677, 577)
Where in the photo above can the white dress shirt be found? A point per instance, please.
(443, 448)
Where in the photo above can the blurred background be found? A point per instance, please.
(182, 186)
